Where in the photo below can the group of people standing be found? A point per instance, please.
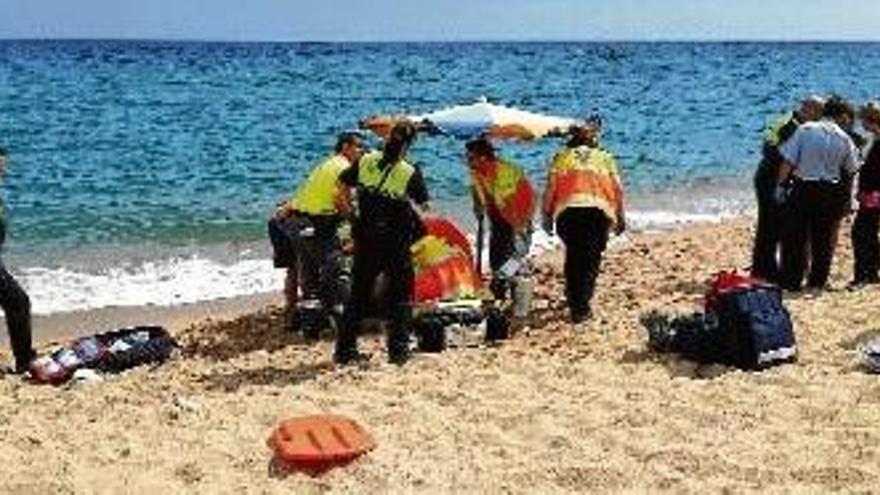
(583, 201)
(812, 158)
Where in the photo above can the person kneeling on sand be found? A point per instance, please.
(584, 199)
(14, 301)
(305, 232)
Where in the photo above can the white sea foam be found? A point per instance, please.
(194, 277)
(163, 283)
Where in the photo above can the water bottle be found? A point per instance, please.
(523, 289)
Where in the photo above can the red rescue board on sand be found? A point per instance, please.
(315, 444)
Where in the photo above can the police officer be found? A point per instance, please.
(768, 228)
(584, 199)
(14, 301)
(816, 159)
(502, 190)
(388, 189)
(305, 233)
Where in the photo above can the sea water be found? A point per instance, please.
(143, 172)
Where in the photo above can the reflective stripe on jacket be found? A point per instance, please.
(373, 179)
(584, 177)
(505, 191)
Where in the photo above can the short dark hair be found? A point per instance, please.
(346, 138)
(402, 135)
(481, 146)
(837, 106)
(403, 132)
(3, 151)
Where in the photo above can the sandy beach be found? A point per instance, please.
(556, 409)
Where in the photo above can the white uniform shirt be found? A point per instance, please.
(818, 151)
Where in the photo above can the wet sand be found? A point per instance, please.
(557, 409)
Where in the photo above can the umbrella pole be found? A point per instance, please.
(479, 260)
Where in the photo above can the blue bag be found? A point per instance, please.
(755, 327)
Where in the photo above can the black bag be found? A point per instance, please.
(133, 346)
(745, 325)
(755, 327)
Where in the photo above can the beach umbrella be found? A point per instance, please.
(475, 119)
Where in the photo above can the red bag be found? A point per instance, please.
(730, 281)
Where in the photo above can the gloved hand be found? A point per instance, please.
(547, 223)
(780, 194)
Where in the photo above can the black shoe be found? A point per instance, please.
(291, 320)
(399, 357)
(580, 316)
(349, 357)
(398, 348)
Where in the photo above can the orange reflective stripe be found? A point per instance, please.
(508, 191)
(587, 188)
(584, 178)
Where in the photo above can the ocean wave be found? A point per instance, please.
(161, 283)
(199, 277)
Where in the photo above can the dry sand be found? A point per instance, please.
(554, 410)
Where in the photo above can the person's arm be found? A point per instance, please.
(417, 191)
(619, 214)
(790, 151)
(851, 160)
(548, 199)
(349, 177)
(477, 202)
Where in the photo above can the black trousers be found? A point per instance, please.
(585, 234)
(322, 268)
(811, 222)
(371, 259)
(768, 230)
(866, 246)
(17, 307)
(501, 248)
(310, 245)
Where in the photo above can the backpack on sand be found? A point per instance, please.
(755, 328)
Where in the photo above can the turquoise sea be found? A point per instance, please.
(143, 172)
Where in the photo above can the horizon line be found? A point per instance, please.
(448, 41)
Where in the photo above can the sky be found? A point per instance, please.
(430, 20)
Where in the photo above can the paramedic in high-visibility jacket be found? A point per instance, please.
(390, 194)
(305, 232)
(501, 190)
(584, 199)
